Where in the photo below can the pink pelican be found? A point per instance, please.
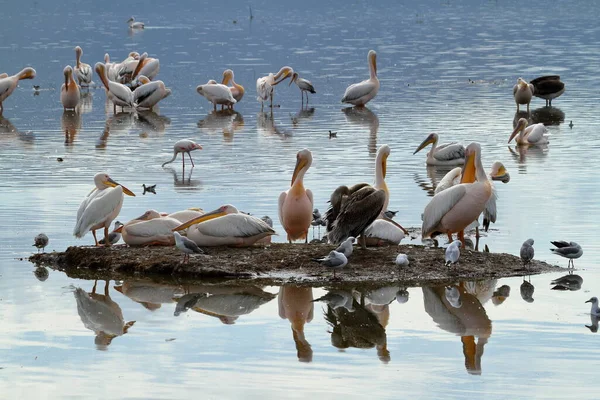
(148, 94)
(522, 93)
(237, 90)
(69, 91)
(216, 93)
(146, 66)
(149, 229)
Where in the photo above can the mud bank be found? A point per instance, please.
(283, 263)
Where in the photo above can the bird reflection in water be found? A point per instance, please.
(522, 153)
(9, 131)
(435, 173)
(362, 117)
(85, 103)
(225, 122)
(266, 125)
(70, 125)
(149, 294)
(100, 314)
(571, 282)
(186, 181)
(150, 123)
(115, 124)
(296, 305)
(305, 113)
(547, 116)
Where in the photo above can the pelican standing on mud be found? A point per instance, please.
(522, 93)
(8, 84)
(100, 207)
(265, 86)
(83, 71)
(183, 146)
(444, 154)
(69, 91)
(296, 204)
(361, 93)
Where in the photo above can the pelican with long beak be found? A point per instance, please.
(535, 134)
(296, 204)
(361, 93)
(69, 91)
(149, 229)
(119, 94)
(8, 84)
(148, 94)
(147, 66)
(265, 86)
(100, 207)
(380, 171)
(216, 93)
(237, 90)
(522, 93)
(83, 71)
(452, 210)
(444, 154)
(226, 226)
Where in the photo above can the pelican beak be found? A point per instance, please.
(468, 172)
(294, 77)
(112, 183)
(301, 163)
(203, 218)
(514, 133)
(284, 76)
(384, 164)
(425, 143)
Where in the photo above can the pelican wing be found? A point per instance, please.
(358, 211)
(358, 90)
(384, 230)
(150, 69)
(142, 93)
(218, 92)
(91, 195)
(84, 73)
(98, 209)
(263, 87)
(154, 227)
(515, 88)
(234, 225)
(185, 215)
(489, 213)
(439, 206)
(537, 133)
(451, 151)
(282, 197)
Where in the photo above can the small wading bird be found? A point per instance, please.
(548, 87)
(570, 250)
(453, 253)
(187, 246)
(69, 91)
(9, 83)
(535, 134)
(522, 93)
(527, 252)
(296, 204)
(83, 71)
(100, 207)
(335, 260)
(183, 146)
(361, 93)
(305, 86)
(444, 154)
(40, 242)
(135, 25)
(265, 86)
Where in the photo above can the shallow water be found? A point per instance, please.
(444, 67)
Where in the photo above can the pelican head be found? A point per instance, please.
(593, 300)
(78, 51)
(521, 125)
(106, 58)
(283, 73)
(522, 83)
(382, 155)
(131, 19)
(103, 181)
(68, 72)
(372, 57)
(303, 162)
(227, 76)
(499, 172)
(219, 212)
(294, 78)
(431, 139)
(27, 73)
(142, 80)
(470, 168)
(134, 54)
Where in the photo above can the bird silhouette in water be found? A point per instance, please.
(149, 189)
(332, 134)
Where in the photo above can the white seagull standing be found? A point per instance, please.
(453, 252)
(187, 246)
(346, 247)
(402, 260)
(335, 260)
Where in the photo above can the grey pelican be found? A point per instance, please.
(522, 93)
(548, 87)
(570, 250)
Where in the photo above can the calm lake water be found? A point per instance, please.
(446, 67)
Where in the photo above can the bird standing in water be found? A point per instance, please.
(41, 241)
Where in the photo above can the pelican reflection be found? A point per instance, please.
(521, 153)
(70, 125)
(9, 131)
(362, 117)
(150, 122)
(296, 305)
(266, 125)
(85, 103)
(149, 294)
(435, 173)
(225, 122)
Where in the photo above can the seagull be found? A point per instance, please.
(570, 282)
(41, 241)
(149, 189)
(527, 251)
(595, 309)
(186, 245)
(335, 260)
(453, 252)
(268, 220)
(402, 260)
(186, 302)
(346, 247)
(390, 214)
(527, 291)
(114, 236)
(337, 299)
(453, 296)
(570, 250)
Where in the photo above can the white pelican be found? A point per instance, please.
(148, 294)
(216, 93)
(100, 207)
(3, 75)
(183, 146)
(146, 66)
(548, 87)
(225, 226)
(126, 67)
(149, 229)
(444, 154)
(305, 86)
(237, 90)
(83, 71)
(148, 94)
(452, 210)
(9, 83)
(69, 91)
(296, 204)
(112, 69)
(361, 93)
(185, 215)
(529, 135)
(265, 85)
(380, 170)
(382, 232)
(522, 93)
(119, 94)
(135, 25)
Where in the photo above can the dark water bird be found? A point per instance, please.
(570, 250)
(335, 260)
(570, 282)
(595, 310)
(41, 241)
(390, 214)
(36, 87)
(571, 124)
(183, 146)
(149, 189)
(187, 246)
(186, 302)
(114, 236)
(59, 159)
(527, 290)
(527, 253)
(352, 211)
(548, 87)
(332, 134)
